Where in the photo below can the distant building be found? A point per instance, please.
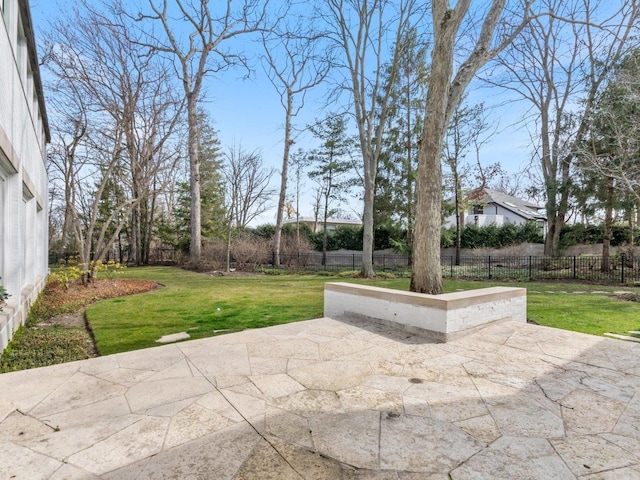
(24, 133)
(487, 206)
(316, 226)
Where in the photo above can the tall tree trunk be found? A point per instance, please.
(409, 174)
(195, 244)
(459, 216)
(367, 219)
(608, 220)
(148, 229)
(557, 209)
(324, 226)
(135, 237)
(631, 227)
(283, 180)
(427, 273)
(443, 97)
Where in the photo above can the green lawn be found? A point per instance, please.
(203, 306)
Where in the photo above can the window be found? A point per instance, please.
(478, 209)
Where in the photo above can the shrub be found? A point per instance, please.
(249, 250)
(386, 275)
(347, 238)
(294, 251)
(272, 271)
(349, 274)
(110, 270)
(493, 236)
(447, 238)
(32, 348)
(581, 234)
(214, 254)
(65, 274)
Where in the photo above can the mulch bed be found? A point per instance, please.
(77, 294)
(57, 331)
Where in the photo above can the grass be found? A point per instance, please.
(50, 335)
(204, 306)
(201, 306)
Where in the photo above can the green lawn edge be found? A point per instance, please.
(204, 305)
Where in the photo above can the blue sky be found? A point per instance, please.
(248, 112)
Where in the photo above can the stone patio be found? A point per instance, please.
(329, 399)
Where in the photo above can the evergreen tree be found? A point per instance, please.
(211, 188)
(330, 164)
(395, 189)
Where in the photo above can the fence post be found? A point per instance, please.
(489, 266)
(451, 265)
(622, 259)
(530, 270)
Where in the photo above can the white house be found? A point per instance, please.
(24, 133)
(487, 206)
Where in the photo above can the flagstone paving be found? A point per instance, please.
(333, 399)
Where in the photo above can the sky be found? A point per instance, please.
(247, 112)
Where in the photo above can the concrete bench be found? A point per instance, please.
(440, 317)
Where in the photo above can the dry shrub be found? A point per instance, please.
(294, 253)
(214, 254)
(250, 251)
(213, 257)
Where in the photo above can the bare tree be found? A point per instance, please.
(92, 160)
(445, 91)
(117, 116)
(199, 47)
(294, 64)
(612, 143)
(558, 66)
(466, 131)
(608, 157)
(363, 30)
(247, 183)
(247, 189)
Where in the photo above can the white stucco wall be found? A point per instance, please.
(23, 175)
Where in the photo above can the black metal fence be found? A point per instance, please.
(156, 256)
(332, 261)
(622, 269)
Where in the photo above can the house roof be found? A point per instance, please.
(522, 208)
(25, 15)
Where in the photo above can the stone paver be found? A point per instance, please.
(329, 399)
